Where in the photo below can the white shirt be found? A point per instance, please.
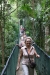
(25, 59)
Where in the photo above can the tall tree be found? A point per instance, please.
(2, 29)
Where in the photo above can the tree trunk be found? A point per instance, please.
(32, 3)
(2, 45)
(46, 38)
(2, 32)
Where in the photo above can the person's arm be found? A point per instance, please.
(19, 59)
(20, 56)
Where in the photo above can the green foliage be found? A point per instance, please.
(0, 1)
(21, 14)
(11, 29)
(29, 26)
(28, 9)
(41, 15)
(35, 20)
(11, 1)
(25, 9)
(11, 34)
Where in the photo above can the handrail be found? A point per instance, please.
(43, 63)
(42, 50)
(4, 71)
(7, 61)
(10, 67)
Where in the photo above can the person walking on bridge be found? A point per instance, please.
(24, 51)
(22, 40)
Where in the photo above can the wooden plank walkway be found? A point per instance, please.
(20, 71)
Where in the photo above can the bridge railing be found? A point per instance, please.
(10, 67)
(43, 63)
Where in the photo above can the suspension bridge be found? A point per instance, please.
(42, 63)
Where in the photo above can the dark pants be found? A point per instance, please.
(31, 71)
(27, 70)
